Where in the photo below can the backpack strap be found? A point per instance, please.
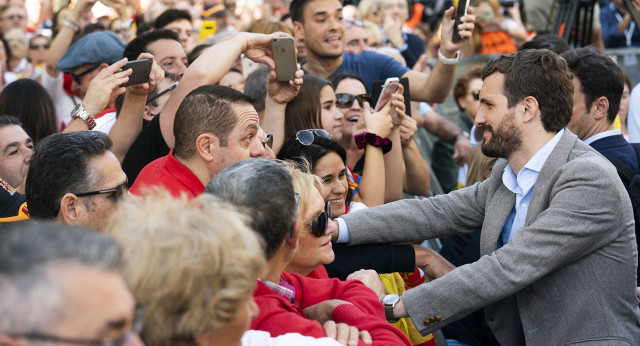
(625, 173)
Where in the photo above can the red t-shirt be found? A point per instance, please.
(170, 174)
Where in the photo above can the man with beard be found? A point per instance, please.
(558, 232)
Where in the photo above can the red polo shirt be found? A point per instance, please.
(170, 174)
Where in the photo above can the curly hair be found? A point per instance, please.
(192, 264)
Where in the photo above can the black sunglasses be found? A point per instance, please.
(76, 77)
(319, 225)
(38, 46)
(475, 94)
(118, 191)
(135, 329)
(344, 100)
(158, 95)
(306, 137)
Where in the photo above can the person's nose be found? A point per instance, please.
(257, 149)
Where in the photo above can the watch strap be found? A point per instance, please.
(448, 61)
(80, 112)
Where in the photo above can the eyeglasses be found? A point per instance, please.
(135, 329)
(351, 23)
(76, 77)
(475, 94)
(268, 141)
(38, 46)
(158, 95)
(318, 226)
(306, 137)
(344, 100)
(117, 191)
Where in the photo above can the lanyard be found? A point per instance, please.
(628, 32)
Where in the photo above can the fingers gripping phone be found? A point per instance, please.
(463, 7)
(284, 55)
(389, 88)
(141, 70)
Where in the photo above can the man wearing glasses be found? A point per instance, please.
(61, 285)
(76, 179)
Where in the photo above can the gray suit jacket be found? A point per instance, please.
(567, 277)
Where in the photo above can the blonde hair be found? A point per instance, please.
(268, 26)
(192, 264)
(303, 183)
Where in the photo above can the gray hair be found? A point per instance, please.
(30, 296)
(263, 190)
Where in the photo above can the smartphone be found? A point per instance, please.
(141, 69)
(208, 28)
(284, 55)
(390, 86)
(463, 7)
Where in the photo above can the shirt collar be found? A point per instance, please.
(282, 291)
(601, 135)
(523, 183)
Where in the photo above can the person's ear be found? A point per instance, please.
(70, 211)
(531, 109)
(207, 146)
(293, 235)
(298, 30)
(147, 115)
(600, 108)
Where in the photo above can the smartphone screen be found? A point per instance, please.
(390, 87)
(284, 55)
(463, 6)
(141, 70)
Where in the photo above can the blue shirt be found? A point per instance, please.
(522, 185)
(371, 66)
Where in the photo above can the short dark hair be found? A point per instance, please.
(335, 79)
(539, 73)
(599, 76)
(303, 112)
(139, 44)
(171, 15)
(255, 86)
(296, 10)
(27, 100)
(6, 120)
(195, 52)
(547, 41)
(60, 165)
(461, 88)
(207, 109)
(262, 189)
(30, 296)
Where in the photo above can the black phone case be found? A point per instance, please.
(460, 12)
(141, 70)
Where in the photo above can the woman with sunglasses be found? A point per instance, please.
(406, 160)
(325, 158)
(315, 108)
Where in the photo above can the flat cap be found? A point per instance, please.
(95, 48)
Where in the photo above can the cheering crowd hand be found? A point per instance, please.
(371, 279)
(398, 107)
(380, 122)
(155, 77)
(447, 47)
(408, 129)
(346, 334)
(258, 47)
(284, 92)
(103, 85)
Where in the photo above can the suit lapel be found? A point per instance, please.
(497, 212)
(540, 194)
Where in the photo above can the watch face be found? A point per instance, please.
(390, 299)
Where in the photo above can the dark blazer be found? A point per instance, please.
(564, 278)
(618, 148)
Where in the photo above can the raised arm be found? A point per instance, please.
(211, 66)
(393, 162)
(416, 176)
(129, 122)
(278, 95)
(449, 132)
(435, 86)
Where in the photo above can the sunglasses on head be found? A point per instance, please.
(475, 94)
(344, 100)
(306, 137)
(318, 226)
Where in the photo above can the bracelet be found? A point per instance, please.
(446, 60)
(363, 139)
(71, 25)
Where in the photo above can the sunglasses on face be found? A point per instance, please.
(344, 100)
(475, 94)
(318, 226)
(268, 141)
(76, 77)
(38, 46)
(306, 137)
(117, 191)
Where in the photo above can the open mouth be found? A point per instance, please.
(353, 119)
(333, 40)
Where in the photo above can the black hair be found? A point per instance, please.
(139, 44)
(171, 15)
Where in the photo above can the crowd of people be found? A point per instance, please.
(213, 203)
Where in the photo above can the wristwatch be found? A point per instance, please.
(390, 301)
(463, 133)
(79, 112)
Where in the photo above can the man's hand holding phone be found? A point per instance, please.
(103, 85)
(155, 76)
(449, 47)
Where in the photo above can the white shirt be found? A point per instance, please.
(105, 122)
(262, 338)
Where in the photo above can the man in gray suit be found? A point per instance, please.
(557, 224)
